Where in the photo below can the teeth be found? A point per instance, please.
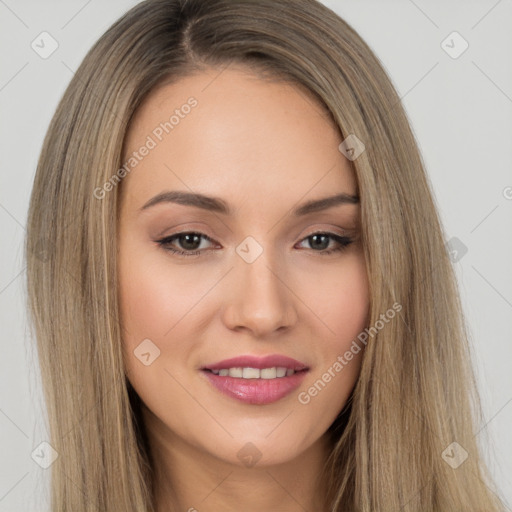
(251, 373)
(254, 373)
(269, 373)
(235, 372)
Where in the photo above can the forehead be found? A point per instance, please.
(230, 133)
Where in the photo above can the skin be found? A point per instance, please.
(264, 148)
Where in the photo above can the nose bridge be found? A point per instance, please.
(260, 300)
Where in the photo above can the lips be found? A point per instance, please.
(247, 361)
(260, 390)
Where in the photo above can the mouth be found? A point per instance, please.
(239, 372)
(256, 380)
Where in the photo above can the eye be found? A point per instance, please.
(190, 242)
(320, 242)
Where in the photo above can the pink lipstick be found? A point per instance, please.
(256, 380)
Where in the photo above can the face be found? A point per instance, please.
(248, 274)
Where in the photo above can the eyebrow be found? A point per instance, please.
(218, 205)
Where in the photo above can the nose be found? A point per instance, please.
(260, 299)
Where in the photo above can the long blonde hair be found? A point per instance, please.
(415, 395)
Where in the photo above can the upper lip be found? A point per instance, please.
(247, 361)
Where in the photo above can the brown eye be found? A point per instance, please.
(319, 242)
(188, 243)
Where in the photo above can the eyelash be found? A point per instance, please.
(343, 242)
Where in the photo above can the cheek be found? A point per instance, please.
(156, 295)
(151, 303)
(340, 300)
(145, 303)
(341, 303)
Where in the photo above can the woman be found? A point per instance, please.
(199, 349)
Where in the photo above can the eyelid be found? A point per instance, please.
(351, 233)
(190, 227)
(332, 229)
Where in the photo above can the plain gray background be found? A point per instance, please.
(460, 110)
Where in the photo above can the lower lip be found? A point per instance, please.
(256, 391)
